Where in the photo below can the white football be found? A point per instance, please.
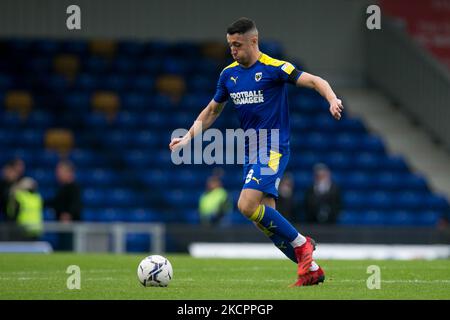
(155, 271)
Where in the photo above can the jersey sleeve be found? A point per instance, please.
(221, 90)
(287, 72)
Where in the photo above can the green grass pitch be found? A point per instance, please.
(108, 276)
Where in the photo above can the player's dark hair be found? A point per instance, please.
(241, 26)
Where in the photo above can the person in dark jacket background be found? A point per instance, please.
(67, 203)
(323, 198)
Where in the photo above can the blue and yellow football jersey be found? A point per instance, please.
(259, 95)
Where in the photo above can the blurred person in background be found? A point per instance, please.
(19, 167)
(323, 198)
(9, 177)
(287, 204)
(214, 203)
(25, 208)
(67, 203)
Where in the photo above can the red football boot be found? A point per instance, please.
(310, 279)
(304, 256)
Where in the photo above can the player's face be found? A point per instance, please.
(240, 46)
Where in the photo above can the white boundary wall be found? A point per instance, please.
(323, 251)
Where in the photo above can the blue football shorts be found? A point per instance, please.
(266, 177)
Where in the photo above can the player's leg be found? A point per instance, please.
(281, 243)
(250, 205)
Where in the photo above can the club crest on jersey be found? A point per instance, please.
(258, 76)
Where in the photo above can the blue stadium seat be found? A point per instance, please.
(366, 161)
(301, 123)
(90, 215)
(372, 144)
(47, 159)
(143, 83)
(40, 119)
(97, 120)
(351, 125)
(303, 179)
(6, 82)
(354, 200)
(138, 242)
(436, 202)
(208, 67)
(43, 176)
(414, 182)
(87, 158)
(78, 47)
(356, 181)
(191, 216)
(39, 64)
(427, 218)
(144, 139)
(410, 200)
(317, 142)
(272, 48)
(388, 181)
(182, 198)
(130, 49)
(27, 155)
(96, 65)
(97, 177)
(56, 83)
(201, 84)
(187, 178)
(151, 66)
(116, 82)
(348, 217)
(177, 66)
(46, 47)
(127, 120)
(379, 200)
(161, 102)
(86, 81)
(399, 218)
(339, 161)
(110, 215)
(156, 48)
(141, 215)
(94, 197)
(121, 197)
(78, 101)
(124, 65)
(155, 120)
(49, 215)
(346, 142)
(46, 192)
(372, 217)
(325, 123)
(154, 178)
(138, 159)
(10, 120)
(306, 161)
(394, 163)
(118, 139)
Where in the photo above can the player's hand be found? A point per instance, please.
(336, 108)
(177, 143)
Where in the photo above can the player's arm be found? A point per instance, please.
(323, 87)
(204, 120)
